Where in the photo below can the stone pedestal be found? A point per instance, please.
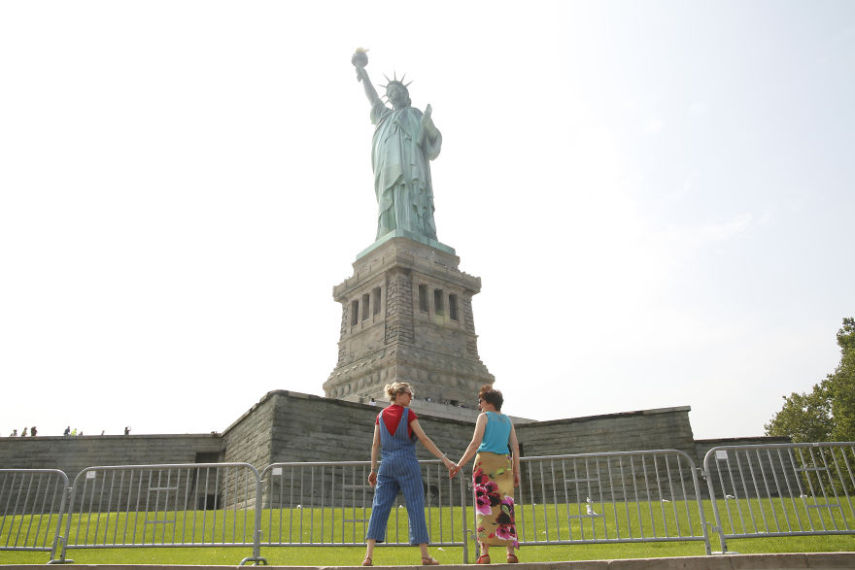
(407, 315)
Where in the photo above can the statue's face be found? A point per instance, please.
(397, 95)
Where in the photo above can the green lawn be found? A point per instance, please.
(314, 526)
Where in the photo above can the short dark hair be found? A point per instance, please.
(491, 396)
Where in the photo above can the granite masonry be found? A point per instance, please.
(284, 427)
(407, 315)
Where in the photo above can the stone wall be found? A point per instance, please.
(702, 446)
(614, 478)
(72, 454)
(289, 426)
(666, 428)
(310, 428)
(248, 439)
(732, 474)
(306, 428)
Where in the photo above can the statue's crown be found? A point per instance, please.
(396, 81)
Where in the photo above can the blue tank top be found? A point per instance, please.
(496, 434)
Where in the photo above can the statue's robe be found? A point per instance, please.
(400, 154)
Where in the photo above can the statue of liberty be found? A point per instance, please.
(405, 139)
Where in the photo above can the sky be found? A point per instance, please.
(657, 196)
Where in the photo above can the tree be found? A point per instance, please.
(827, 413)
(804, 417)
(843, 385)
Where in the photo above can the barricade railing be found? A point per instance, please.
(135, 506)
(32, 509)
(781, 489)
(614, 497)
(329, 504)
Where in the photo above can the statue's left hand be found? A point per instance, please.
(427, 121)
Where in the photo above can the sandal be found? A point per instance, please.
(512, 559)
(483, 559)
(368, 561)
(430, 561)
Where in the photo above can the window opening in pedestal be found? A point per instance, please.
(423, 298)
(438, 304)
(375, 294)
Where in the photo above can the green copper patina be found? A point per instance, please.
(405, 140)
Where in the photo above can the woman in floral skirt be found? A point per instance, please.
(496, 473)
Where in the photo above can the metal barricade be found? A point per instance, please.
(627, 496)
(32, 505)
(781, 489)
(615, 497)
(329, 504)
(196, 504)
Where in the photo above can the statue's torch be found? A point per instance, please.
(359, 61)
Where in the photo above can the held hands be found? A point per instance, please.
(452, 467)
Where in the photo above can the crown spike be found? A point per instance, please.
(395, 79)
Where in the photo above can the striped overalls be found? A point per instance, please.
(399, 470)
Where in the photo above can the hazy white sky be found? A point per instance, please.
(658, 197)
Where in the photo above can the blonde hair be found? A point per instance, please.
(396, 388)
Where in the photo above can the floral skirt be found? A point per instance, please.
(493, 482)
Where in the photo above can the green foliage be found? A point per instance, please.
(843, 385)
(827, 413)
(804, 417)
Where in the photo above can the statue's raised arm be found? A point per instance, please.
(405, 140)
(359, 61)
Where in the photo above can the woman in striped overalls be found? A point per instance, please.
(396, 430)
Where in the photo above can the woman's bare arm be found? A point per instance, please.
(375, 451)
(430, 445)
(472, 449)
(515, 451)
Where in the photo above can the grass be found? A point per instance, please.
(347, 525)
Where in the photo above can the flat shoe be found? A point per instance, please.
(512, 559)
(368, 561)
(430, 561)
(483, 559)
